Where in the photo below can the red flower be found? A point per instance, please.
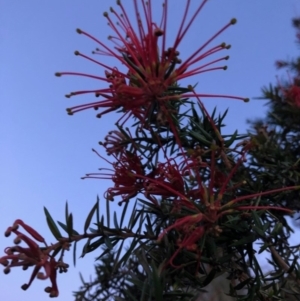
(291, 90)
(191, 232)
(125, 174)
(149, 85)
(32, 255)
(293, 95)
(114, 143)
(165, 181)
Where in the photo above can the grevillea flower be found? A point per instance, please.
(124, 174)
(165, 180)
(32, 255)
(114, 143)
(291, 91)
(292, 95)
(149, 85)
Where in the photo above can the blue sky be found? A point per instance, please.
(44, 152)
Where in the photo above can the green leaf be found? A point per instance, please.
(149, 226)
(123, 213)
(257, 268)
(90, 216)
(256, 219)
(200, 138)
(259, 231)
(210, 277)
(108, 213)
(66, 212)
(51, 224)
(106, 251)
(250, 252)
(74, 253)
(143, 261)
(117, 262)
(131, 219)
(81, 278)
(65, 228)
(243, 284)
(145, 290)
(70, 225)
(86, 248)
(129, 252)
(56, 251)
(116, 221)
(228, 142)
(98, 211)
(157, 285)
(108, 243)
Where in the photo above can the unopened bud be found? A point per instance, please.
(17, 240)
(24, 286)
(53, 294)
(48, 289)
(69, 111)
(158, 32)
(233, 21)
(7, 232)
(6, 270)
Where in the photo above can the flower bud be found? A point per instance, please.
(6, 270)
(24, 286)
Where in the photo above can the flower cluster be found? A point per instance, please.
(291, 91)
(32, 256)
(149, 86)
(125, 174)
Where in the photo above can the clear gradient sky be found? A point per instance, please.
(44, 152)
